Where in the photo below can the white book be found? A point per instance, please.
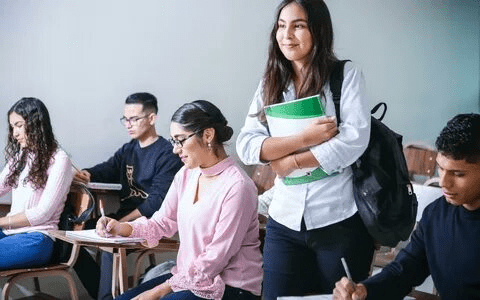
(91, 235)
(290, 118)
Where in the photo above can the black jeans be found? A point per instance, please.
(298, 263)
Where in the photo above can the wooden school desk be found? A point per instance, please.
(119, 251)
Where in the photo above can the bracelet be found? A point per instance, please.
(295, 161)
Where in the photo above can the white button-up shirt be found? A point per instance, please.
(329, 200)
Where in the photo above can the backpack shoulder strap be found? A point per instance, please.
(336, 81)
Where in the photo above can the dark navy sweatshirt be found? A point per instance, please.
(446, 245)
(144, 173)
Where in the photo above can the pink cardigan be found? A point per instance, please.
(219, 239)
(41, 207)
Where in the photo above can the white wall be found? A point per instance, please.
(421, 57)
(84, 57)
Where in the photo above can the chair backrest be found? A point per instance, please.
(78, 208)
(421, 160)
(263, 177)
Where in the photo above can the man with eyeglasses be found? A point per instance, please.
(145, 168)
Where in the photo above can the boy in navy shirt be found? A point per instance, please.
(446, 242)
(145, 167)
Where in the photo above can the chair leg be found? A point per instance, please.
(152, 259)
(6, 290)
(139, 264)
(71, 286)
(36, 282)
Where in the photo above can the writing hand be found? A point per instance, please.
(82, 176)
(345, 289)
(319, 131)
(106, 227)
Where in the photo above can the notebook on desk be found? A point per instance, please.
(91, 235)
(104, 186)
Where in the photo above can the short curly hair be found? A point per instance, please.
(460, 139)
(41, 143)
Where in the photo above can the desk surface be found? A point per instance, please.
(425, 195)
(167, 244)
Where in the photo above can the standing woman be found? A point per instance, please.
(312, 225)
(212, 204)
(39, 174)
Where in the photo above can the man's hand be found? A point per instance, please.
(82, 176)
(348, 290)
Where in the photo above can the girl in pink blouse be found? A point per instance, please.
(39, 174)
(212, 204)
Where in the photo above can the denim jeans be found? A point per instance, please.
(298, 263)
(106, 268)
(24, 250)
(231, 293)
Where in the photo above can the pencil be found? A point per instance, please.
(75, 167)
(346, 268)
(71, 160)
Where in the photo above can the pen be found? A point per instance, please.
(346, 268)
(75, 167)
(100, 204)
(71, 160)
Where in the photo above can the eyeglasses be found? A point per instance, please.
(131, 121)
(179, 143)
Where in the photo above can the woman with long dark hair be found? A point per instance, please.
(212, 203)
(313, 223)
(39, 174)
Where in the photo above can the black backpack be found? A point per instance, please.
(382, 189)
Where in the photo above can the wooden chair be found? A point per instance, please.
(167, 245)
(79, 200)
(263, 177)
(434, 181)
(421, 160)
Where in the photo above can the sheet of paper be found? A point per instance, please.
(91, 235)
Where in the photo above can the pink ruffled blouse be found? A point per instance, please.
(219, 239)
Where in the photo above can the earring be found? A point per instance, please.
(209, 145)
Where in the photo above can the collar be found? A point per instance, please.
(217, 168)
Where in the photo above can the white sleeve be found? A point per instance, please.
(354, 128)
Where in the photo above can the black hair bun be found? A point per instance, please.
(225, 134)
